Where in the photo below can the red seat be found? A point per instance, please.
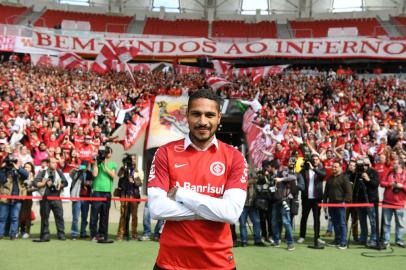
(240, 29)
(181, 27)
(319, 28)
(10, 14)
(98, 22)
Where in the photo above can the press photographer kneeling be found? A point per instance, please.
(51, 182)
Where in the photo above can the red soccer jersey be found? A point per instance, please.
(197, 244)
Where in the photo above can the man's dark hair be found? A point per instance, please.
(274, 164)
(204, 93)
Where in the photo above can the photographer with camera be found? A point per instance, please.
(51, 182)
(286, 188)
(366, 183)
(395, 194)
(81, 186)
(313, 174)
(265, 189)
(130, 181)
(251, 211)
(12, 178)
(104, 171)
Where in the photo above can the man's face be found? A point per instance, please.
(316, 161)
(351, 166)
(203, 118)
(134, 160)
(336, 169)
(53, 164)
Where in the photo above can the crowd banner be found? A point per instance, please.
(7, 43)
(256, 141)
(133, 132)
(351, 47)
(168, 120)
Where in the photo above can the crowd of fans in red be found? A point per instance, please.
(50, 112)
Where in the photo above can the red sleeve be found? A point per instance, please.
(238, 177)
(159, 174)
(386, 181)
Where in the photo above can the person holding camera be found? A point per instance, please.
(250, 210)
(338, 191)
(104, 171)
(394, 194)
(366, 191)
(129, 184)
(81, 186)
(12, 178)
(263, 200)
(313, 174)
(285, 185)
(51, 182)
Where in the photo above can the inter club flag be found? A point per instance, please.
(221, 67)
(216, 82)
(125, 54)
(104, 59)
(70, 61)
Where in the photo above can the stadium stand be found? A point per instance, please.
(98, 22)
(319, 28)
(10, 14)
(184, 27)
(240, 29)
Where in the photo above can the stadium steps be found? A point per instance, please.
(282, 31)
(391, 29)
(136, 27)
(33, 16)
(210, 30)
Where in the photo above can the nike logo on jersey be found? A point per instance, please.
(180, 165)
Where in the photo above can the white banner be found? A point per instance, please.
(357, 47)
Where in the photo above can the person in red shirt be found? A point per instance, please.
(198, 185)
(86, 150)
(394, 194)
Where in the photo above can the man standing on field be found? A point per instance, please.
(198, 185)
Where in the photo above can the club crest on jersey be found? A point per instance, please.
(217, 168)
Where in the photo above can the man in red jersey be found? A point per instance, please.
(198, 185)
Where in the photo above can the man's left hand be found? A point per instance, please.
(365, 176)
(172, 193)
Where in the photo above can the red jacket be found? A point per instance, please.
(388, 195)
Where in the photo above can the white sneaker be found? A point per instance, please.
(300, 240)
(26, 236)
(320, 241)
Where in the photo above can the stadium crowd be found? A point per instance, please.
(321, 127)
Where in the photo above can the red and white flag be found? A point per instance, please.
(216, 82)
(133, 132)
(70, 61)
(125, 54)
(221, 67)
(104, 60)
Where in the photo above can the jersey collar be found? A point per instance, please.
(188, 143)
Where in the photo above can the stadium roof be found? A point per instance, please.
(224, 8)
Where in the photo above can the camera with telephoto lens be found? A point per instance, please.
(101, 155)
(359, 167)
(52, 187)
(396, 190)
(9, 160)
(127, 160)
